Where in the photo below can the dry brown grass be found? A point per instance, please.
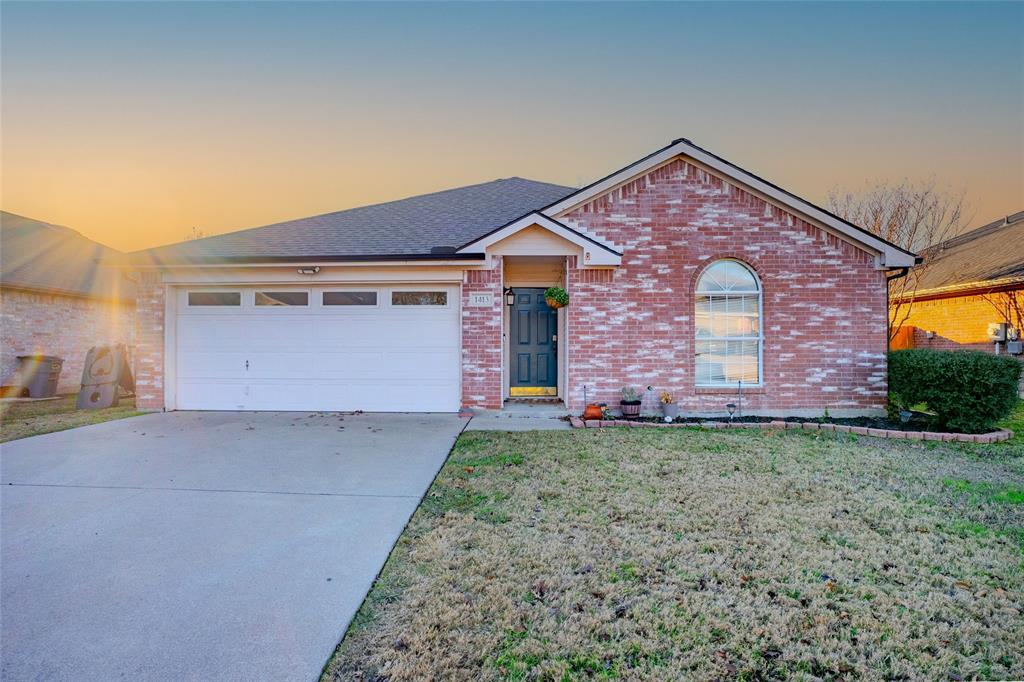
(21, 419)
(680, 554)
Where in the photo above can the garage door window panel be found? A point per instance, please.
(282, 298)
(218, 299)
(350, 298)
(436, 299)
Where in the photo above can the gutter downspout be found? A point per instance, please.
(900, 273)
(889, 279)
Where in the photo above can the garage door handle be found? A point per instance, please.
(247, 364)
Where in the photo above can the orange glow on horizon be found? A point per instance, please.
(133, 203)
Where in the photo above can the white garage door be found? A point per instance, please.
(373, 348)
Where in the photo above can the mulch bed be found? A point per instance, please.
(863, 426)
(915, 424)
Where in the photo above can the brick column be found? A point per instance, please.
(482, 340)
(149, 342)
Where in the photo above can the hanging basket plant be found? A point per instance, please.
(556, 297)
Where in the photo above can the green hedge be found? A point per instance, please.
(968, 391)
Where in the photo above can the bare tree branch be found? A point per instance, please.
(913, 216)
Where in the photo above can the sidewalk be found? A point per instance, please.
(521, 417)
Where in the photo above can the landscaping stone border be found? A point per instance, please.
(993, 437)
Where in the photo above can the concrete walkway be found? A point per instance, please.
(202, 545)
(521, 417)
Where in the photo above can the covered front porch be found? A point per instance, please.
(532, 340)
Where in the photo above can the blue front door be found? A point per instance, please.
(533, 344)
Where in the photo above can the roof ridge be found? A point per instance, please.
(62, 230)
(355, 208)
(44, 223)
(986, 229)
(535, 182)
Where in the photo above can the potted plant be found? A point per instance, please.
(630, 403)
(556, 297)
(668, 406)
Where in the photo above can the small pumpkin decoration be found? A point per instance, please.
(556, 297)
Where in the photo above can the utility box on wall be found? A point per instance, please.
(997, 331)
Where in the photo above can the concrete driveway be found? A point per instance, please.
(202, 545)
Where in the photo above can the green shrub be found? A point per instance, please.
(968, 391)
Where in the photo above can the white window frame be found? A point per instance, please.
(760, 324)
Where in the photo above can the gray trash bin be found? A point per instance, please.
(39, 374)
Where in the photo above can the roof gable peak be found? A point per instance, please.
(888, 255)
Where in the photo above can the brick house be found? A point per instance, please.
(685, 273)
(55, 299)
(970, 282)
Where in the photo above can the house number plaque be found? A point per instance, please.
(482, 300)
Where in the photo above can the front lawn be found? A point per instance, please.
(1015, 422)
(20, 419)
(686, 554)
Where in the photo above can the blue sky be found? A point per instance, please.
(134, 122)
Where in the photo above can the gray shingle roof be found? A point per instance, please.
(988, 253)
(409, 227)
(41, 256)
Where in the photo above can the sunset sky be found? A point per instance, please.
(135, 122)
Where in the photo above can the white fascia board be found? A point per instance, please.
(327, 275)
(596, 251)
(417, 263)
(889, 256)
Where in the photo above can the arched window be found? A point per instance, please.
(728, 325)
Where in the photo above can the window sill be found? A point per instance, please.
(730, 390)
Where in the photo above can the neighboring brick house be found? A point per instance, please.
(55, 299)
(685, 273)
(966, 285)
